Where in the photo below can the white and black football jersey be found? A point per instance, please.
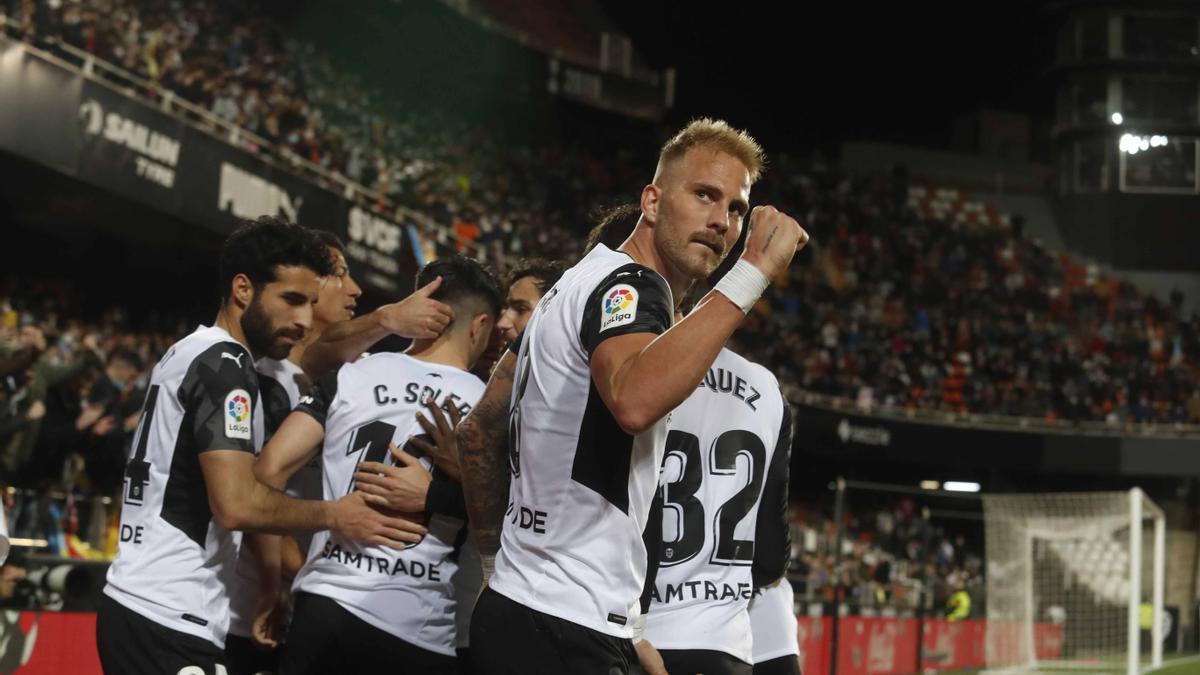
(582, 488)
(773, 623)
(409, 593)
(728, 448)
(175, 562)
(280, 384)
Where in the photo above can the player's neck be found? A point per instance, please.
(446, 350)
(230, 324)
(640, 246)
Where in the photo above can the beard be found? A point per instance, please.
(262, 336)
(678, 247)
(690, 262)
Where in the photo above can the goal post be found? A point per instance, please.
(1073, 579)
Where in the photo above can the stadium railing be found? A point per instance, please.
(87, 64)
(988, 422)
(473, 12)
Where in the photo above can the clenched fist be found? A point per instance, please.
(773, 240)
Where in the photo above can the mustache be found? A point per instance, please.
(294, 333)
(713, 241)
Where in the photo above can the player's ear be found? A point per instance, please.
(481, 327)
(242, 290)
(651, 194)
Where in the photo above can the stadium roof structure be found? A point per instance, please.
(573, 30)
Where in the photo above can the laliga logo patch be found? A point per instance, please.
(620, 307)
(237, 414)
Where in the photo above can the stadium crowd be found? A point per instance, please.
(70, 395)
(896, 309)
(890, 555)
(921, 313)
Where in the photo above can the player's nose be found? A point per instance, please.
(719, 218)
(505, 322)
(303, 318)
(352, 288)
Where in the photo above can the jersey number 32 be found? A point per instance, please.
(680, 497)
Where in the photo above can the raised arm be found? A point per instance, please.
(417, 316)
(642, 376)
(483, 457)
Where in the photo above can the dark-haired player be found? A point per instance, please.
(614, 227)
(189, 485)
(368, 608)
(527, 283)
(281, 383)
(600, 367)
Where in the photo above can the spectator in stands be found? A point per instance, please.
(20, 356)
(62, 363)
(118, 394)
(901, 308)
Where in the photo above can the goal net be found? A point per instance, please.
(1072, 578)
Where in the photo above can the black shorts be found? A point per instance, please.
(325, 638)
(784, 665)
(131, 644)
(707, 661)
(246, 658)
(508, 638)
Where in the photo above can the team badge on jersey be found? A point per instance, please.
(237, 414)
(620, 306)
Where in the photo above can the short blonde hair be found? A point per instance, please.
(718, 135)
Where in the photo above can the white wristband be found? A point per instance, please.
(743, 284)
(639, 628)
(488, 562)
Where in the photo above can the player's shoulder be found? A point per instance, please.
(226, 356)
(212, 350)
(372, 366)
(469, 382)
(759, 373)
(455, 377)
(602, 267)
(209, 365)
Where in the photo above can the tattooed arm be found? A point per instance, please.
(483, 457)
